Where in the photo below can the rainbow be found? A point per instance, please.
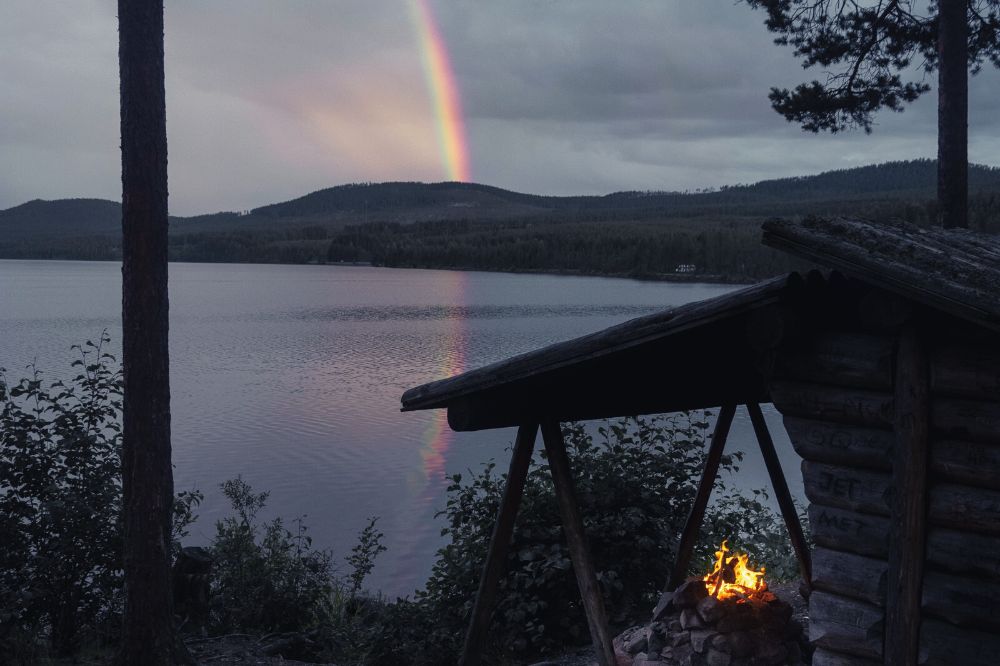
(444, 91)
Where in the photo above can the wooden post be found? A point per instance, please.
(781, 493)
(693, 524)
(499, 543)
(908, 532)
(583, 566)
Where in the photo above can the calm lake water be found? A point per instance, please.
(291, 376)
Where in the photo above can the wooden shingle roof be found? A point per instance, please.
(954, 270)
(667, 361)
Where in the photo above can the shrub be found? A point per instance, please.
(267, 578)
(59, 471)
(61, 534)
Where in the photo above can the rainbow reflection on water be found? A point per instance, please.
(437, 437)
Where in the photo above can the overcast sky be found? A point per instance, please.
(269, 100)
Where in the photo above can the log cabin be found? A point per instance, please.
(884, 363)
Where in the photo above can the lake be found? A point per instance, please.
(291, 376)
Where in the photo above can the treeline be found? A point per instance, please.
(728, 250)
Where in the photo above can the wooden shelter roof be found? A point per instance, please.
(704, 354)
(684, 357)
(954, 270)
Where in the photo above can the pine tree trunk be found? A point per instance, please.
(148, 633)
(953, 114)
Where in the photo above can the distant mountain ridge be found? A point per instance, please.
(408, 202)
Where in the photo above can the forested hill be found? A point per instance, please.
(64, 217)
(411, 202)
(467, 225)
(915, 178)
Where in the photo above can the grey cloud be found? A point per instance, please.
(560, 96)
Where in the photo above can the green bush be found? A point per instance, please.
(61, 534)
(635, 480)
(266, 578)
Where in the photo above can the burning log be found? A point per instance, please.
(732, 577)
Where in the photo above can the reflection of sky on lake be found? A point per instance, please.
(291, 376)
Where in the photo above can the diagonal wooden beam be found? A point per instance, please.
(496, 558)
(697, 515)
(583, 566)
(782, 494)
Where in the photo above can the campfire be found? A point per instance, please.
(732, 578)
(727, 617)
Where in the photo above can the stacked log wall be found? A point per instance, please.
(835, 391)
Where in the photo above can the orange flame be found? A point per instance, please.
(732, 577)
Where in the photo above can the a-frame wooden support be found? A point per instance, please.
(782, 494)
(697, 514)
(520, 461)
(690, 534)
(583, 566)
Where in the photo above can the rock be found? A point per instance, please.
(794, 652)
(689, 594)
(193, 560)
(721, 642)
(679, 638)
(664, 606)
(656, 638)
(683, 654)
(794, 629)
(780, 610)
(690, 619)
(675, 626)
(740, 644)
(700, 639)
(710, 610)
(637, 643)
(717, 658)
(772, 653)
(738, 617)
(643, 659)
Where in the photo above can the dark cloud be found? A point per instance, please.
(268, 99)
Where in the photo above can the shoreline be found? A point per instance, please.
(681, 278)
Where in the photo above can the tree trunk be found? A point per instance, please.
(953, 114)
(148, 633)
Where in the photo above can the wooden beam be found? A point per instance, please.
(583, 566)
(499, 544)
(693, 524)
(908, 535)
(784, 497)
